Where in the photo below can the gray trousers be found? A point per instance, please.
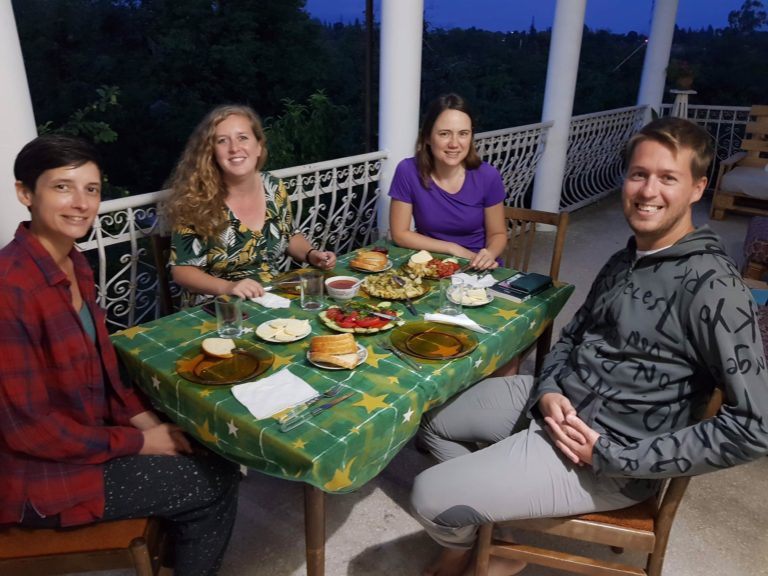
(520, 475)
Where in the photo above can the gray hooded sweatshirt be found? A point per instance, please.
(643, 353)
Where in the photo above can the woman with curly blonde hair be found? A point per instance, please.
(232, 223)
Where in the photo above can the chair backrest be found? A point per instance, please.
(755, 142)
(521, 229)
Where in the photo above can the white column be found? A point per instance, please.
(402, 22)
(651, 91)
(17, 120)
(562, 70)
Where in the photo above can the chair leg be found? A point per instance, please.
(483, 549)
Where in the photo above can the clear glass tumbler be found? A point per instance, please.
(229, 316)
(451, 296)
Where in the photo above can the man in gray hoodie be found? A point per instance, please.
(667, 319)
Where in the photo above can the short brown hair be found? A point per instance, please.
(676, 134)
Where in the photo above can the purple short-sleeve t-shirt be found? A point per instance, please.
(458, 217)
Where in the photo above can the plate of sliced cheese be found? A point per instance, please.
(283, 330)
(336, 352)
(472, 297)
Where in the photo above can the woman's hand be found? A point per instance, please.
(246, 288)
(483, 260)
(165, 440)
(322, 260)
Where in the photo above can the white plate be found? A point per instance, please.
(264, 329)
(362, 354)
(473, 304)
(386, 267)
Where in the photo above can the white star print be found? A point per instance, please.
(407, 415)
(155, 382)
(478, 362)
(232, 428)
(532, 325)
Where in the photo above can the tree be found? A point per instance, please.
(749, 18)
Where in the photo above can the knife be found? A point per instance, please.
(302, 417)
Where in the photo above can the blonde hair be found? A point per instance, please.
(197, 186)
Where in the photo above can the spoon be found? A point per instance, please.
(408, 303)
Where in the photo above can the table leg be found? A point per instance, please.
(314, 529)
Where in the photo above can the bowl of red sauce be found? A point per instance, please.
(342, 288)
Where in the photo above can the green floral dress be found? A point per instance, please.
(238, 252)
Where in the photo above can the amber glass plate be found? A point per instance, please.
(433, 341)
(248, 361)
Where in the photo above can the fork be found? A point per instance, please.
(294, 412)
(408, 302)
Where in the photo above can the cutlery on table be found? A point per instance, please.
(408, 303)
(297, 410)
(413, 364)
(290, 424)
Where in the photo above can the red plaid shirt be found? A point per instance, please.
(63, 408)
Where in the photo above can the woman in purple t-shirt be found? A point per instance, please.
(455, 199)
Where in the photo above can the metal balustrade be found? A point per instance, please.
(335, 202)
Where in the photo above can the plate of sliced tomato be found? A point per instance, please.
(360, 318)
(435, 268)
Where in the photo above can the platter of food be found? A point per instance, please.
(427, 266)
(360, 318)
(220, 361)
(370, 261)
(471, 297)
(384, 286)
(336, 352)
(283, 330)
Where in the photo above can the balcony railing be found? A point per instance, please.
(335, 202)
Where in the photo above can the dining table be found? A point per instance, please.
(340, 449)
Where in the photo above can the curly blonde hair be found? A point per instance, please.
(197, 186)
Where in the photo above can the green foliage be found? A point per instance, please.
(175, 60)
(304, 133)
(81, 122)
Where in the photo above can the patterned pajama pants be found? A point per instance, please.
(520, 475)
(197, 494)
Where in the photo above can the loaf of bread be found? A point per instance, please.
(339, 350)
(334, 344)
(372, 261)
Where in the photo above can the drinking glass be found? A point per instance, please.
(451, 295)
(229, 316)
(311, 286)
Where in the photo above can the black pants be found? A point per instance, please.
(197, 494)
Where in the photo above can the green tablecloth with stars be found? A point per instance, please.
(342, 448)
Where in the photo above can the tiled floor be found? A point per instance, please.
(721, 529)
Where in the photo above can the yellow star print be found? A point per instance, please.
(205, 392)
(132, 332)
(493, 364)
(206, 327)
(507, 314)
(370, 403)
(373, 357)
(281, 361)
(340, 479)
(205, 433)
(299, 444)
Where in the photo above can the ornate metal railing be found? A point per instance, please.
(726, 124)
(593, 165)
(515, 152)
(335, 202)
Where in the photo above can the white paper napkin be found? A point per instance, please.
(475, 281)
(273, 394)
(269, 300)
(458, 320)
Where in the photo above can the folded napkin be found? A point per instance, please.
(475, 281)
(273, 394)
(458, 320)
(269, 300)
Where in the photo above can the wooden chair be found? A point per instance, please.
(742, 181)
(137, 543)
(521, 228)
(644, 527)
